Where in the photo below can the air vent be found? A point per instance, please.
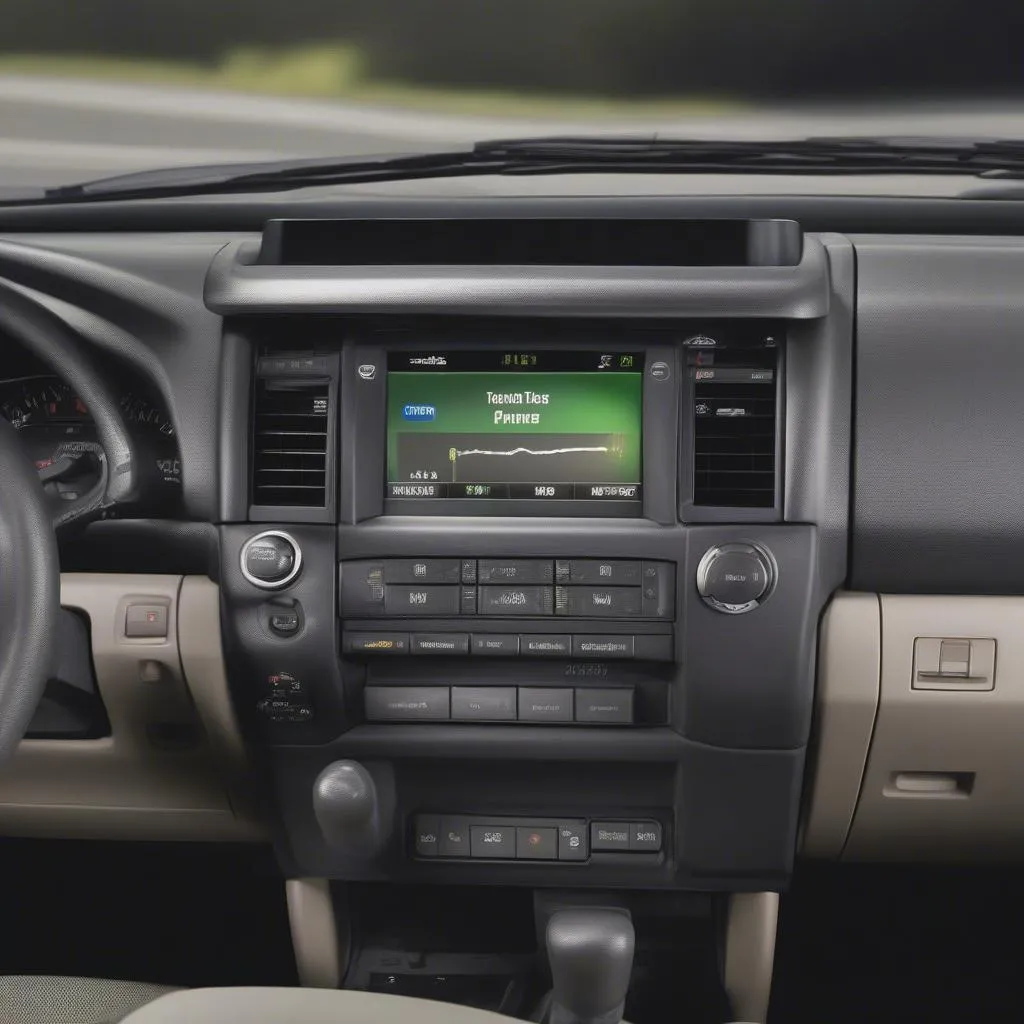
(290, 443)
(734, 443)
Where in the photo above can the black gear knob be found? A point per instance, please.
(347, 809)
(590, 951)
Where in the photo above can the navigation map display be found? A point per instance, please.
(537, 426)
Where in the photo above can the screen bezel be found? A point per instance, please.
(659, 426)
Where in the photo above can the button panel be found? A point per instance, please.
(583, 587)
(599, 602)
(537, 704)
(483, 703)
(567, 840)
(411, 599)
(422, 570)
(597, 646)
(439, 643)
(407, 703)
(534, 705)
(527, 600)
(515, 570)
(146, 620)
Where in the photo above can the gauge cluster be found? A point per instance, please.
(57, 430)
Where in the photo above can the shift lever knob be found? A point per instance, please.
(591, 956)
(347, 809)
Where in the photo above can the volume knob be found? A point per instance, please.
(735, 578)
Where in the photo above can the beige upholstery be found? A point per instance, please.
(303, 1006)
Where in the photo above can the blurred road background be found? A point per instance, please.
(109, 86)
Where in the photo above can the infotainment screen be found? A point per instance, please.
(539, 426)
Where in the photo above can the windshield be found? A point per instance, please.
(96, 88)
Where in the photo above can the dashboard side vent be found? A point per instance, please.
(290, 442)
(734, 443)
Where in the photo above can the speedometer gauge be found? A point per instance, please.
(52, 419)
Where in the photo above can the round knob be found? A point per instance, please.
(735, 578)
(271, 559)
(347, 808)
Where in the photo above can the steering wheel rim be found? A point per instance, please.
(29, 564)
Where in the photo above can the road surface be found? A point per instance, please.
(55, 131)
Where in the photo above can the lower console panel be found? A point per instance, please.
(699, 736)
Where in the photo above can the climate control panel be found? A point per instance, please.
(510, 587)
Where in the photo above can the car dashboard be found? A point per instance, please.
(624, 544)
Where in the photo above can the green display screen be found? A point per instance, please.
(536, 426)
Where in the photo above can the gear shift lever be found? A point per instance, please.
(591, 956)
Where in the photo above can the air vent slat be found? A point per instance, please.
(734, 444)
(290, 443)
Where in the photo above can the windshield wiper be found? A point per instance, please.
(571, 155)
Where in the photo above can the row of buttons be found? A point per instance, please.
(509, 839)
(512, 587)
(512, 570)
(651, 647)
(593, 705)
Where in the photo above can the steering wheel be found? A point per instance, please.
(29, 567)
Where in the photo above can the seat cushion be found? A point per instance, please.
(304, 1006)
(45, 999)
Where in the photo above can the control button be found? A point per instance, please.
(406, 703)
(613, 706)
(283, 685)
(594, 602)
(469, 570)
(546, 645)
(146, 620)
(544, 705)
(572, 842)
(593, 570)
(659, 590)
(597, 646)
(515, 570)
(362, 588)
(284, 621)
(422, 570)
(735, 578)
(375, 643)
(439, 643)
(454, 837)
(496, 644)
(660, 371)
(653, 647)
(427, 835)
(467, 601)
(425, 600)
(536, 843)
(281, 711)
(645, 837)
(516, 600)
(492, 841)
(271, 559)
(610, 836)
(483, 703)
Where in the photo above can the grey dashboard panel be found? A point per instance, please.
(818, 410)
(236, 285)
(938, 459)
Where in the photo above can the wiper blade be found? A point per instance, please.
(578, 155)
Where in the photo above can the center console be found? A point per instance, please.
(551, 579)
